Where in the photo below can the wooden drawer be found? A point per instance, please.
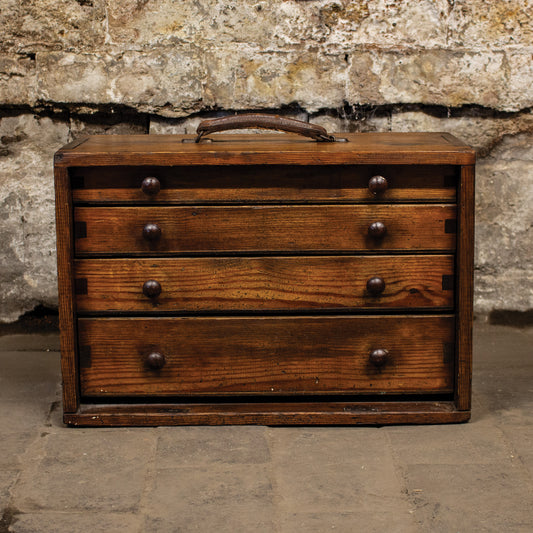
(318, 228)
(261, 183)
(275, 355)
(262, 283)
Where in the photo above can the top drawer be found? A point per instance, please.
(263, 184)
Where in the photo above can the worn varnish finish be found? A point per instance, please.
(263, 283)
(252, 279)
(267, 149)
(278, 355)
(295, 228)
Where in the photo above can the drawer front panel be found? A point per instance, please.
(276, 183)
(293, 355)
(263, 229)
(262, 283)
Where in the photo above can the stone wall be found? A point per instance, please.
(155, 66)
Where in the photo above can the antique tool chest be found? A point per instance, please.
(265, 279)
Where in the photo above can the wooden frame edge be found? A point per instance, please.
(67, 320)
(465, 288)
(311, 414)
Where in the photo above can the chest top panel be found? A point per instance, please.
(267, 149)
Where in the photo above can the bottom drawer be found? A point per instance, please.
(266, 355)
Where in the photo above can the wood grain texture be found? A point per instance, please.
(263, 229)
(67, 322)
(264, 183)
(274, 413)
(273, 355)
(361, 148)
(263, 283)
(465, 288)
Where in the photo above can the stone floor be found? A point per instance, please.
(458, 478)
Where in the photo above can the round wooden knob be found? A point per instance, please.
(152, 232)
(377, 230)
(378, 184)
(150, 186)
(379, 357)
(375, 285)
(152, 288)
(155, 360)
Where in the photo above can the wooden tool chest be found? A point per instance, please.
(265, 279)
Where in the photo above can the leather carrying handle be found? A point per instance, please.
(269, 122)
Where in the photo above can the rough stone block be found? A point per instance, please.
(167, 81)
(504, 198)
(9, 22)
(61, 25)
(279, 25)
(30, 26)
(248, 79)
(385, 24)
(204, 23)
(478, 24)
(28, 255)
(520, 83)
(17, 80)
(442, 77)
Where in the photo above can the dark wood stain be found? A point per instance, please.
(264, 228)
(264, 283)
(277, 355)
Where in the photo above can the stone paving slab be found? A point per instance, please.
(85, 522)
(190, 446)
(479, 442)
(8, 478)
(521, 439)
(495, 497)
(207, 498)
(85, 470)
(346, 469)
(386, 519)
(29, 377)
(14, 444)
